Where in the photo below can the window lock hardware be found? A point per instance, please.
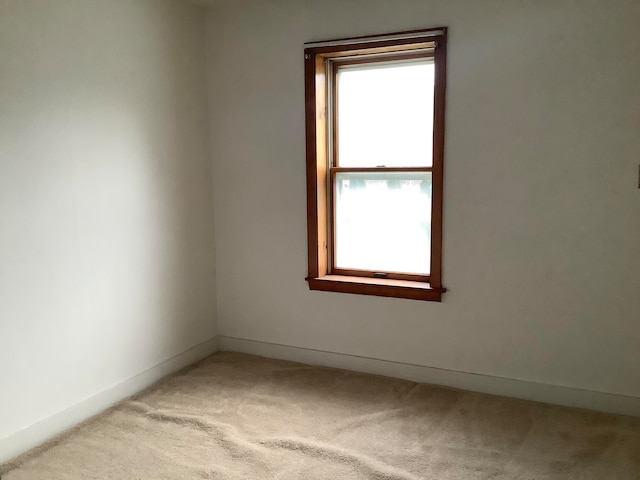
(379, 275)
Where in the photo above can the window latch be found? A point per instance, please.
(379, 275)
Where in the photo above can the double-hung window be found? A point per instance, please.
(375, 151)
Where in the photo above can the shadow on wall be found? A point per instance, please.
(106, 217)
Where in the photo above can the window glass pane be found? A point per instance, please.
(385, 115)
(383, 221)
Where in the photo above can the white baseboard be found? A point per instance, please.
(539, 392)
(40, 432)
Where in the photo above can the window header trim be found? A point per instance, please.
(412, 35)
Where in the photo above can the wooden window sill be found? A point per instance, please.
(380, 287)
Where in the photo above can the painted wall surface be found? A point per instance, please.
(542, 206)
(106, 217)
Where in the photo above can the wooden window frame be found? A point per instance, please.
(320, 151)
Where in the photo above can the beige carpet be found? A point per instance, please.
(236, 416)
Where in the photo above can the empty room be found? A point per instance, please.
(320, 239)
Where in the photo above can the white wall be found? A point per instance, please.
(542, 207)
(106, 217)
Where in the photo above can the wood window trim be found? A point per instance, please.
(320, 276)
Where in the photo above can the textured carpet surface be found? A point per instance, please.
(236, 416)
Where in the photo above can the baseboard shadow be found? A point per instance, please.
(525, 390)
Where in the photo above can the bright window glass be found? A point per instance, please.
(383, 221)
(385, 114)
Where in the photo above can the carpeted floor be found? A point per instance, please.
(237, 416)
